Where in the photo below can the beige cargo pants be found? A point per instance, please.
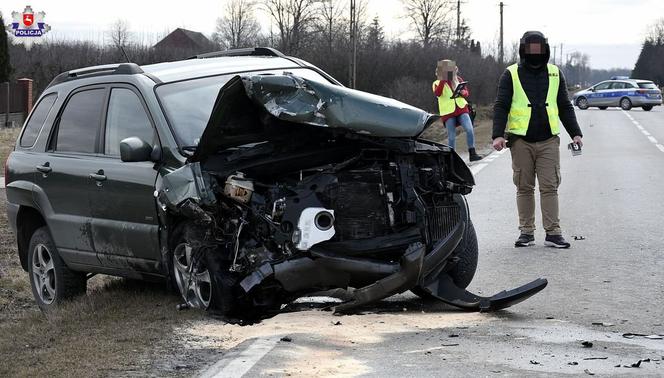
(541, 160)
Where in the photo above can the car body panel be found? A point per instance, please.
(610, 92)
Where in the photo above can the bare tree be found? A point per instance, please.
(330, 20)
(238, 27)
(294, 19)
(656, 31)
(429, 18)
(120, 33)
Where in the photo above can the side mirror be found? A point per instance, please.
(592, 89)
(135, 149)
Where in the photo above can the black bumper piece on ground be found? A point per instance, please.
(445, 290)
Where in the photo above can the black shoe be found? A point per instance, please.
(556, 241)
(525, 240)
(473, 156)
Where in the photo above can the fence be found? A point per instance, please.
(15, 102)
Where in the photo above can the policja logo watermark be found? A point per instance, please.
(28, 25)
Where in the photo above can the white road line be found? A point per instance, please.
(644, 132)
(475, 169)
(242, 363)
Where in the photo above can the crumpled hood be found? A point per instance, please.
(238, 114)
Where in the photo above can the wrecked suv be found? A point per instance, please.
(247, 179)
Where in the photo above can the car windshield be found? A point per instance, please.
(648, 85)
(188, 104)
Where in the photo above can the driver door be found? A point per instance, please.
(124, 216)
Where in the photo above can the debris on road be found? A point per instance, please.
(573, 363)
(603, 324)
(595, 358)
(453, 335)
(534, 362)
(579, 237)
(587, 344)
(336, 323)
(588, 372)
(630, 335)
(449, 345)
(286, 339)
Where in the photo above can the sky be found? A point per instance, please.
(609, 31)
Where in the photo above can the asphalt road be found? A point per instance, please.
(611, 195)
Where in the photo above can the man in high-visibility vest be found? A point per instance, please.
(532, 99)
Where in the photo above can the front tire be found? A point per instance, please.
(625, 104)
(582, 103)
(647, 108)
(463, 271)
(51, 280)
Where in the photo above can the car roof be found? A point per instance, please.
(193, 68)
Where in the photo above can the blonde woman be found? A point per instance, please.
(454, 111)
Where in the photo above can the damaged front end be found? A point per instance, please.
(298, 187)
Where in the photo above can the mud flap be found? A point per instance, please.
(446, 291)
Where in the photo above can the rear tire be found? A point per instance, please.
(582, 103)
(603, 107)
(625, 104)
(51, 280)
(647, 108)
(463, 271)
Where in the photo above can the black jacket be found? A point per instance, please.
(535, 83)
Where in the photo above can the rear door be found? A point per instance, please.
(618, 90)
(125, 225)
(63, 174)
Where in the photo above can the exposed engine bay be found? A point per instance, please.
(272, 207)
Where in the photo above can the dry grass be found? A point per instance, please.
(7, 141)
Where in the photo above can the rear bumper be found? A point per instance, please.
(640, 101)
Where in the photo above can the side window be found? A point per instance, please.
(602, 86)
(36, 121)
(80, 122)
(618, 85)
(126, 118)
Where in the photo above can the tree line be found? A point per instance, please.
(650, 64)
(316, 31)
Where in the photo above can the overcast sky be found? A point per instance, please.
(609, 31)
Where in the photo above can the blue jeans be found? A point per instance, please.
(466, 123)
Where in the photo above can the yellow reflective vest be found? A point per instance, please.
(521, 110)
(447, 104)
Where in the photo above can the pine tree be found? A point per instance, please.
(5, 67)
(375, 36)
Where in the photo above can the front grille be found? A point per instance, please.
(442, 219)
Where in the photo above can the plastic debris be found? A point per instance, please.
(587, 344)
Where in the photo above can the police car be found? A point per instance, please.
(621, 92)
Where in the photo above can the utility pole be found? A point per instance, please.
(458, 22)
(501, 52)
(352, 67)
(554, 54)
(561, 54)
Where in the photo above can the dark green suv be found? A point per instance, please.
(247, 178)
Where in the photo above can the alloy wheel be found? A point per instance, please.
(192, 277)
(43, 273)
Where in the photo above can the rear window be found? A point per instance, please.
(37, 119)
(648, 85)
(80, 122)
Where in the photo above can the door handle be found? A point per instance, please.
(99, 176)
(46, 168)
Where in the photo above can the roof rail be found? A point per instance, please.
(250, 51)
(108, 69)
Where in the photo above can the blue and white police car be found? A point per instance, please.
(620, 92)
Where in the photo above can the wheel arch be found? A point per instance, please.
(28, 220)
